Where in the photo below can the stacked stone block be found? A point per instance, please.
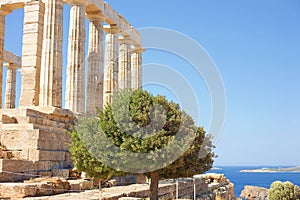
(38, 141)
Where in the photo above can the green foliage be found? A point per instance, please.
(140, 123)
(82, 158)
(284, 191)
(196, 160)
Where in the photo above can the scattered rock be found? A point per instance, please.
(254, 193)
(74, 173)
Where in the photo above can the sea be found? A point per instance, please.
(262, 179)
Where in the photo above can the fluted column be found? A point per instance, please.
(95, 63)
(3, 13)
(124, 63)
(111, 63)
(32, 52)
(10, 92)
(75, 90)
(51, 67)
(136, 67)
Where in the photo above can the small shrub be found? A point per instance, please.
(284, 191)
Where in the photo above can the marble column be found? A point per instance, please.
(10, 92)
(111, 63)
(51, 67)
(124, 63)
(75, 84)
(3, 13)
(95, 63)
(136, 67)
(32, 52)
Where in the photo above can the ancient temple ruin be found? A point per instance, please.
(35, 132)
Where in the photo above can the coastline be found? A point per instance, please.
(273, 170)
(263, 179)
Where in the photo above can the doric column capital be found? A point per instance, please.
(81, 3)
(124, 39)
(113, 29)
(95, 16)
(138, 49)
(10, 66)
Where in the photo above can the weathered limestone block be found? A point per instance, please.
(57, 119)
(95, 63)
(43, 155)
(17, 166)
(214, 176)
(74, 185)
(50, 186)
(49, 165)
(16, 140)
(75, 84)
(51, 66)
(60, 173)
(18, 190)
(46, 122)
(111, 63)
(81, 184)
(34, 139)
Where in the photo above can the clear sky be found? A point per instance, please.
(256, 47)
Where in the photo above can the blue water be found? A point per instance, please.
(241, 179)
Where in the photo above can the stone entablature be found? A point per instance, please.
(11, 58)
(110, 15)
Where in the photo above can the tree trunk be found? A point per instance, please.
(154, 185)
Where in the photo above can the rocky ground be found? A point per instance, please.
(254, 193)
(208, 186)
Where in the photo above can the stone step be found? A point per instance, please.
(17, 126)
(16, 166)
(22, 127)
(15, 140)
(20, 115)
(49, 165)
(11, 166)
(46, 122)
(44, 155)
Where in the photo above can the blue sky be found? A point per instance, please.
(256, 47)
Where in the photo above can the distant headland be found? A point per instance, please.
(271, 170)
